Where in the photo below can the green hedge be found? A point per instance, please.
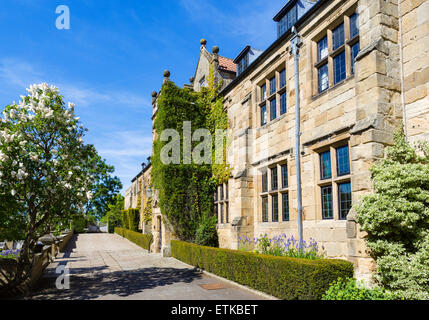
(142, 240)
(282, 277)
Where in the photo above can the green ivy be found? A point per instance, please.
(186, 190)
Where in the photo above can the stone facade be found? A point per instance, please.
(415, 50)
(224, 68)
(360, 112)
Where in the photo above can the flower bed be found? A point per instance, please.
(282, 246)
(10, 254)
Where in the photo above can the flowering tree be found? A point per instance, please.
(44, 167)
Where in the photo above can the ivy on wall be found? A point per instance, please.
(186, 190)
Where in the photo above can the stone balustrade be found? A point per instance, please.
(45, 252)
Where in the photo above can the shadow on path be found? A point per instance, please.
(95, 282)
(119, 283)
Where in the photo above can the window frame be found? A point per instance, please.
(340, 217)
(221, 203)
(332, 70)
(322, 176)
(340, 174)
(329, 186)
(264, 114)
(273, 109)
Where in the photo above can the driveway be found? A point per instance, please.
(109, 267)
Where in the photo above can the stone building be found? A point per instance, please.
(363, 73)
(136, 194)
(225, 72)
(225, 68)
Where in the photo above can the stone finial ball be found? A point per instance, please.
(154, 94)
(166, 73)
(215, 49)
(191, 79)
(203, 42)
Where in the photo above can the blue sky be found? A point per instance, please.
(114, 55)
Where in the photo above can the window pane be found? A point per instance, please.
(221, 213)
(325, 165)
(275, 208)
(221, 192)
(345, 199)
(291, 17)
(273, 85)
(340, 67)
(338, 37)
(226, 191)
(322, 49)
(273, 104)
(355, 49)
(285, 182)
(264, 209)
(264, 115)
(323, 78)
(283, 78)
(263, 92)
(343, 161)
(327, 211)
(285, 204)
(226, 212)
(216, 213)
(354, 25)
(265, 182)
(274, 179)
(283, 106)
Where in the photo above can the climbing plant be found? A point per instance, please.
(147, 211)
(186, 188)
(217, 119)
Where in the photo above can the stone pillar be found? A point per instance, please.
(378, 110)
(215, 62)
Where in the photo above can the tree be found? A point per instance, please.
(396, 218)
(44, 167)
(104, 188)
(114, 213)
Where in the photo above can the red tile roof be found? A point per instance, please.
(227, 64)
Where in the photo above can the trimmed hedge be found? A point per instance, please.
(283, 277)
(142, 240)
(130, 219)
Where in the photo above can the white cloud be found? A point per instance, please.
(21, 74)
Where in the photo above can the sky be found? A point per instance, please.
(113, 57)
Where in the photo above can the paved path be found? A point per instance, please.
(109, 267)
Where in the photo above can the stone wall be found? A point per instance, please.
(415, 49)
(362, 111)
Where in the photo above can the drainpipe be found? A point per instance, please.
(296, 44)
(401, 58)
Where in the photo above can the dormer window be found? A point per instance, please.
(288, 21)
(243, 64)
(245, 58)
(288, 16)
